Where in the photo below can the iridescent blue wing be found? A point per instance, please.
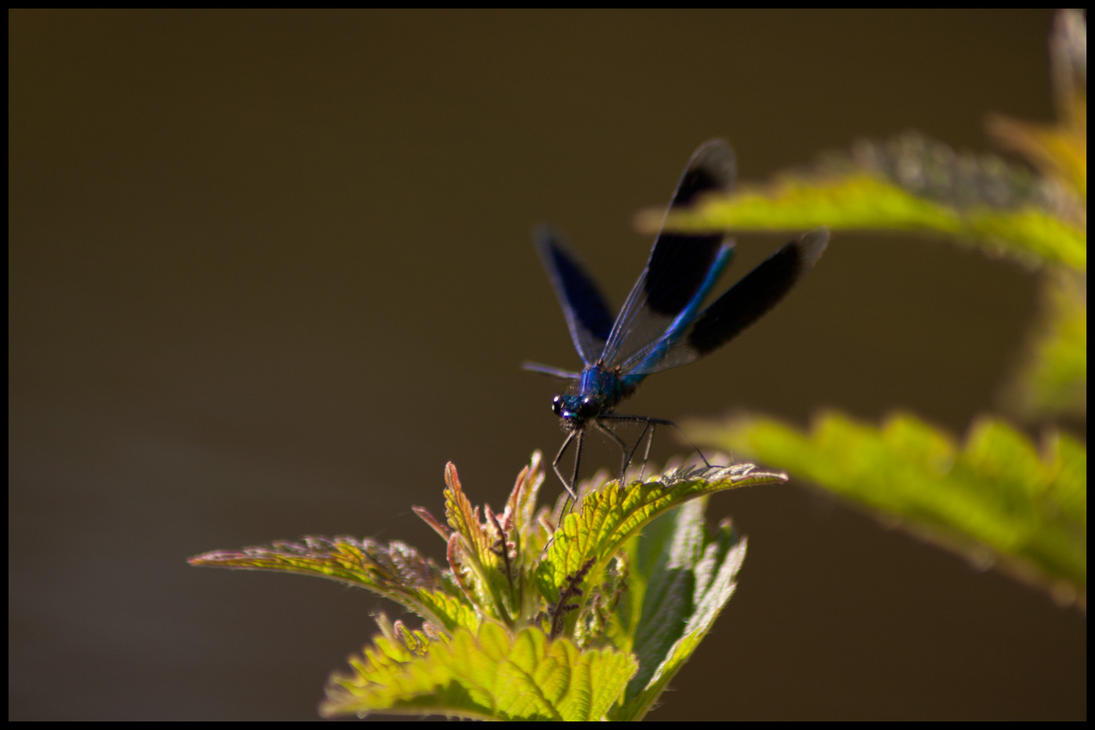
(586, 313)
(681, 265)
(741, 305)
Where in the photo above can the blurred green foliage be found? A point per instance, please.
(994, 498)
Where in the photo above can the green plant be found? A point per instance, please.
(535, 617)
(995, 499)
(589, 616)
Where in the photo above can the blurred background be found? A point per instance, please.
(269, 271)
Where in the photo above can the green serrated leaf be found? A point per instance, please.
(396, 571)
(689, 590)
(480, 556)
(489, 674)
(862, 201)
(448, 611)
(997, 495)
(462, 517)
(669, 598)
(643, 551)
(608, 516)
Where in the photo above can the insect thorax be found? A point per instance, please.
(598, 392)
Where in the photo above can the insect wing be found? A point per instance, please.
(680, 264)
(741, 305)
(535, 367)
(587, 315)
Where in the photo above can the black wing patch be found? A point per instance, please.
(680, 261)
(760, 290)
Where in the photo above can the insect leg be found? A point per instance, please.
(649, 442)
(629, 455)
(624, 457)
(573, 496)
(649, 424)
(559, 456)
(662, 421)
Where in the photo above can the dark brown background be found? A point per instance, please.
(270, 270)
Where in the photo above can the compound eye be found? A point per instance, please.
(557, 405)
(587, 401)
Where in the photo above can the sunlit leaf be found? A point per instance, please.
(995, 497)
(396, 571)
(489, 674)
(688, 586)
(1053, 378)
(609, 516)
(863, 201)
